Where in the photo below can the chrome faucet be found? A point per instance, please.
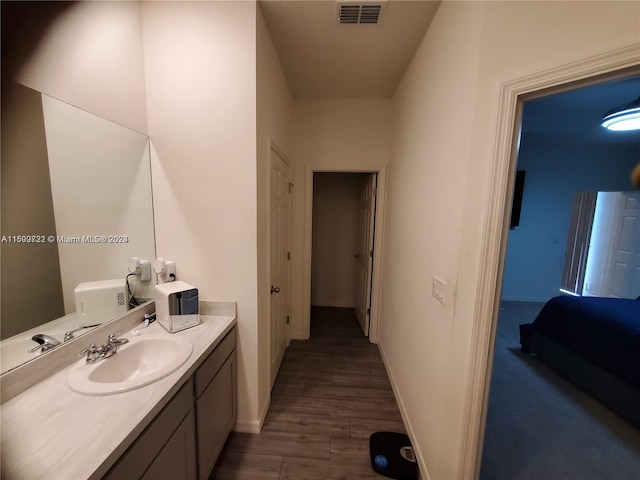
(69, 335)
(44, 341)
(95, 354)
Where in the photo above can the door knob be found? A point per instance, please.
(274, 289)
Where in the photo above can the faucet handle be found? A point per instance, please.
(114, 340)
(88, 351)
(114, 335)
(93, 353)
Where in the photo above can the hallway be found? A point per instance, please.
(331, 393)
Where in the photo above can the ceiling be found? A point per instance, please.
(324, 59)
(578, 113)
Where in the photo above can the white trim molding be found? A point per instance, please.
(254, 426)
(617, 63)
(247, 426)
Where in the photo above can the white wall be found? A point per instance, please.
(274, 114)
(444, 126)
(433, 117)
(336, 219)
(91, 57)
(329, 135)
(200, 65)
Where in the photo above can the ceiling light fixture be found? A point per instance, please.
(623, 118)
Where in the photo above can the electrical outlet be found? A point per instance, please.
(160, 267)
(170, 271)
(438, 289)
(165, 270)
(145, 271)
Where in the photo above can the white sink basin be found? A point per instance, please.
(142, 361)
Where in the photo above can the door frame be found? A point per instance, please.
(618, 63)
(377, 242)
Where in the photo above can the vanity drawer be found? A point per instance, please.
(212, 364)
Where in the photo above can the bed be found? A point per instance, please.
(595, 343)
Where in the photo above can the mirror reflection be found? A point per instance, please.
(76, 206)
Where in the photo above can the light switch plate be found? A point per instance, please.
(438, 289)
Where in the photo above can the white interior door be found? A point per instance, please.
(279, 215)
(364, 255)
(623, 272)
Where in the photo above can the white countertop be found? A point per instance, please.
(51, 432)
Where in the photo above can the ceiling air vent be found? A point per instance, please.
(352, 14)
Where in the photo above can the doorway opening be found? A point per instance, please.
(343, 261)
(343, 233)
(517, 287)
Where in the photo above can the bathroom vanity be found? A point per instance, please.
(172, 428)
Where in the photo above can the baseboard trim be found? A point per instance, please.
(422, 466)
(247, 426)
(299, 336)
(254, 426)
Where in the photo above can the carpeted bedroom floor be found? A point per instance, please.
(541, 427)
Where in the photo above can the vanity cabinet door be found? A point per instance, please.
(216, 413)
(177, 459)
(166, 448)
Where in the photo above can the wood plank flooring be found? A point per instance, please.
(331, 393)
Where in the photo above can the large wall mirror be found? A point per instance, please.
(76, 205)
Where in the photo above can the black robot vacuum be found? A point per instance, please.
(392, 455)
